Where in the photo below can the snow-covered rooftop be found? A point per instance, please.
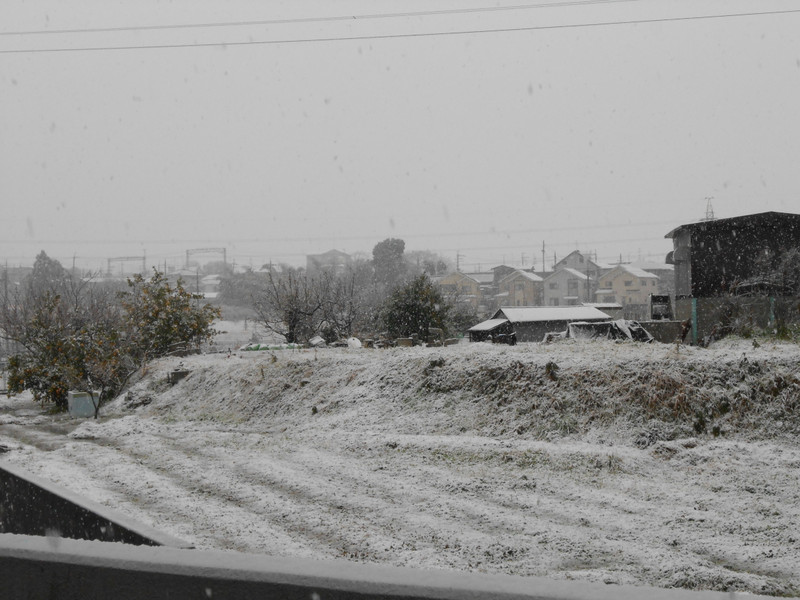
(650, 266)
(526, 274)
(603, 265)
(636, 272)
(481, 277)
(529, 314)
(640, 273)
(488, 325)
(573, 272)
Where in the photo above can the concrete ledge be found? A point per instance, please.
(31, 505)
(35, 567)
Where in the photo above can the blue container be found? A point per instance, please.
(81, 404)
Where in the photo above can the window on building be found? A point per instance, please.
(553, 301)
(628, 282)
(553, 285)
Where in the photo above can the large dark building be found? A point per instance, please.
(714, 258)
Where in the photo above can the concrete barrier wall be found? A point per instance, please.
(30, 505)
(37, 568)
(665, 332)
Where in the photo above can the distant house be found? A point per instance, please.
(209, 286)
(270, 268)
(626, 285)
(583, 264)
(462, 288)
(500, 272)
(486, 278)
(334, 262)
(566, 287)
(665, 273)
(520, 288)
(190, 279)
(487, 290)
(531, 324)
(712, 257)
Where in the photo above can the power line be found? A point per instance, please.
(299, 20)
(333, 238)
(405, 35)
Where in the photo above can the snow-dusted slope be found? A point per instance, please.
(616, 462)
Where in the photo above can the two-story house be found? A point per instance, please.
(566, 287)
(627, 286)
(520, 288)
(463, 288)
(577, 261)
(334, 262)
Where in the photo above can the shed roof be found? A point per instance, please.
(488, 325)
(531, 314)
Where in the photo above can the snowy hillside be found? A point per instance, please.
(616, 462)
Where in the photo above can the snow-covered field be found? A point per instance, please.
(615, 462)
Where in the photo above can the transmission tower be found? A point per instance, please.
(709, 209)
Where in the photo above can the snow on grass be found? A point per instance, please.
(615, 462)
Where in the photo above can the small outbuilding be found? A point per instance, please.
(532, 323)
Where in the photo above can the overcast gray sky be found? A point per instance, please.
(538, 126)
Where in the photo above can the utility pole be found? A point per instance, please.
(544, 268)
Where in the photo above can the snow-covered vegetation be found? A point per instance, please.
(626, 463)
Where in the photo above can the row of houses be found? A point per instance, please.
(574, 281)
(742, 268)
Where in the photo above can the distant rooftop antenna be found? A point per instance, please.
(709, 209)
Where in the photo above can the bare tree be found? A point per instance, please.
(352, 302)
(290, 304)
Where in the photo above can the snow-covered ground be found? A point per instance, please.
(614, 462)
